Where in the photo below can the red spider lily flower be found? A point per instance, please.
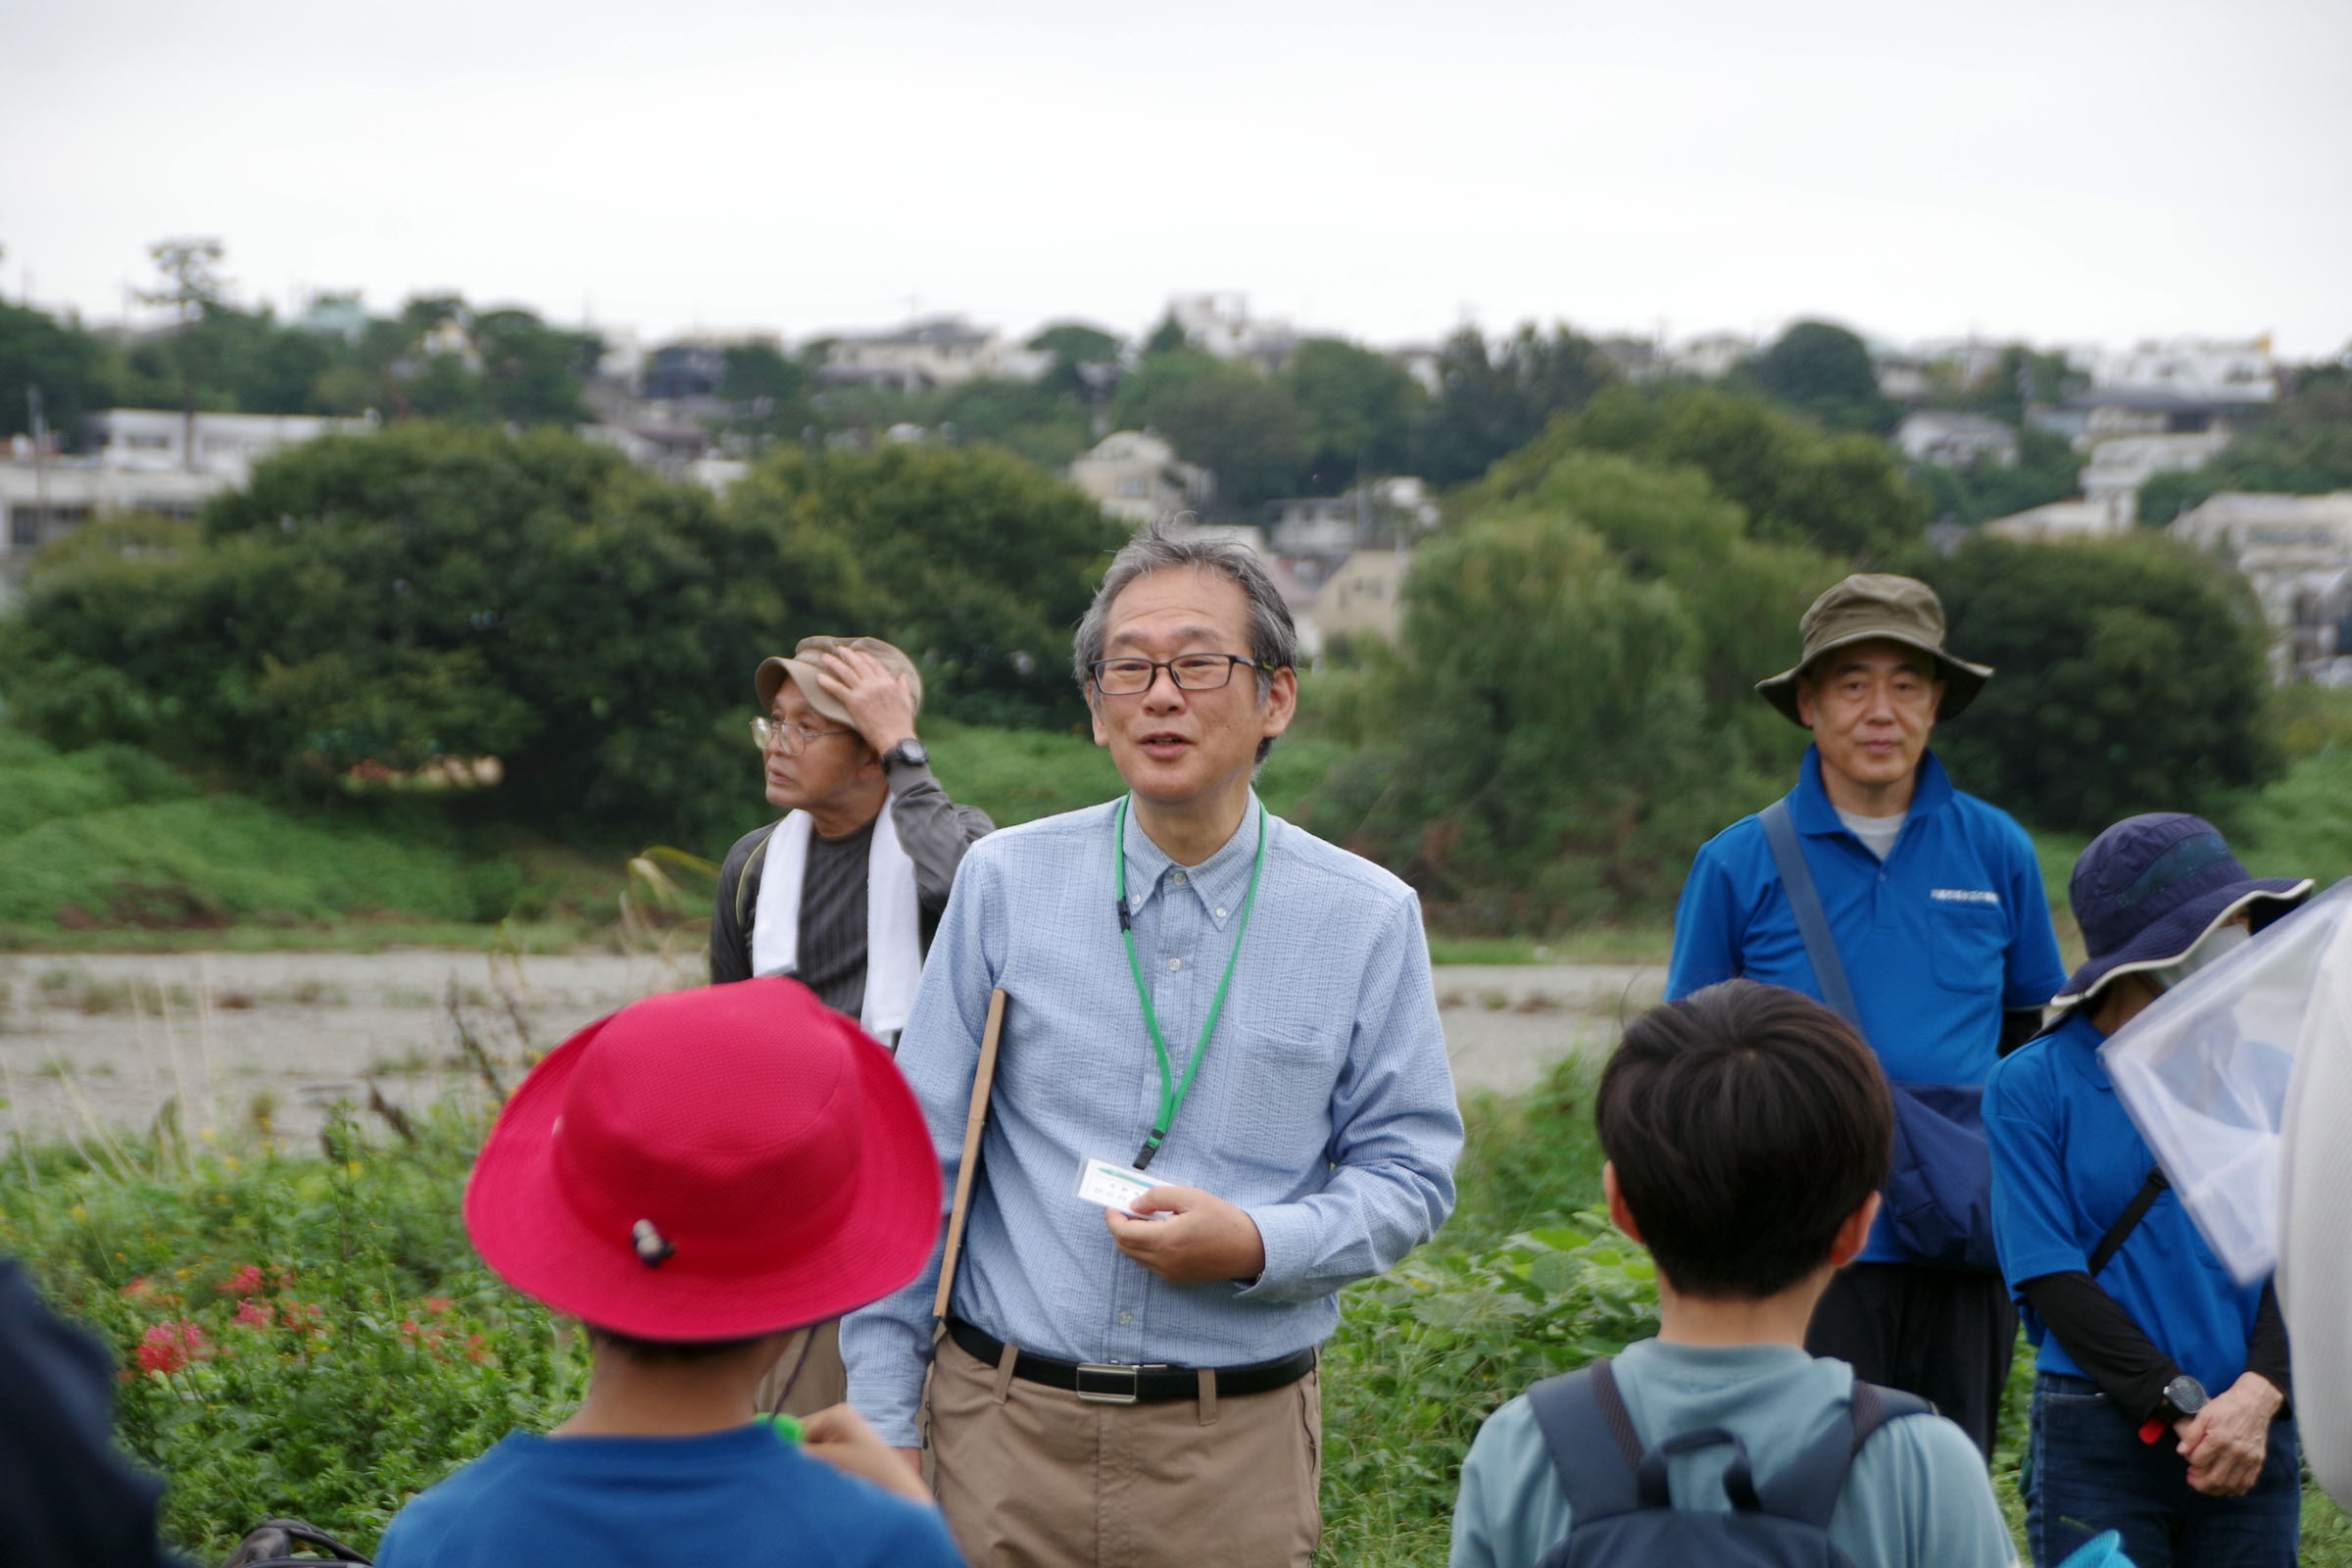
(169, 1347)
(244, 1282)
(438, 1304)
(302, 1316)
(256, 1313)
(477, 1348)
(139, 1289)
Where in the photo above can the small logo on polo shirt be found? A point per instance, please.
(1964, 895)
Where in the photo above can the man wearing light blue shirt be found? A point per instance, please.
(1198, 989)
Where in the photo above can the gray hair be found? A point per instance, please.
(1162, 547)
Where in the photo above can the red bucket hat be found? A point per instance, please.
(710, 1164)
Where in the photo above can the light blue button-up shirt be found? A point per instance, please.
(1324, 1107)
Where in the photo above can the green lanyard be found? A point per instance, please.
(1172, 1090)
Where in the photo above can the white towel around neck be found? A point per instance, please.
(894, 937)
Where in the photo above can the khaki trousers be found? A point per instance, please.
(821, 1382)
(1032, 1477)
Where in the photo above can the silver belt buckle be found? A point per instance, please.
(1106, 1372)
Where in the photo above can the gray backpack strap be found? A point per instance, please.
(1590, 1434)
(1808, 1486)
(1804, 901)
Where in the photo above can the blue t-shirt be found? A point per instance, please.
(1917, 1493)
(1938, 939)
(739, 1496)
(2066, 1163)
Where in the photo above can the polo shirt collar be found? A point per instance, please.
(1814, 814)
(1219, 883)
(2077, 1042)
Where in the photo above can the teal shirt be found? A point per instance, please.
(1917, 1493)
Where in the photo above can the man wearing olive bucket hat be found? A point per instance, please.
(697, 1178)
(1916, 912)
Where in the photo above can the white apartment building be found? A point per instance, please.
(936, 352)
(224, 446)
(1137, 476)
(2297, 553)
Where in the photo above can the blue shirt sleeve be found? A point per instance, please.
(2034, 972)
(1706, 928)
(2032, 1213)
(1396, 1132)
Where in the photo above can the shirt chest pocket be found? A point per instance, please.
(1967, 944)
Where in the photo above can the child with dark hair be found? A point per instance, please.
(698, 1178)
(1747, 1131)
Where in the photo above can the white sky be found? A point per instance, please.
(2059, 170)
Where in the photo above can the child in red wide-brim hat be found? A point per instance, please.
(696, 1178)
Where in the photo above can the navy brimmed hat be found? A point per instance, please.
(2152, 887)
(1868, 607)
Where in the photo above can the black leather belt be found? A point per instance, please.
(1106, 1383)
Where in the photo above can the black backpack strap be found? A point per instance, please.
(1804, 901)
(2128, 1221)
(1808, 1486)
(1590, 1434)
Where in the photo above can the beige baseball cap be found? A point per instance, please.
(1867, 606)
(807, 659)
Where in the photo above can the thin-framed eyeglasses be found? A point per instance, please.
(791, 739)
(1192, 672)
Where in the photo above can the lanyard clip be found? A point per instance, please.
(1120, 905)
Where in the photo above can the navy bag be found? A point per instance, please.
(1621, 1509)
(1939, 1194)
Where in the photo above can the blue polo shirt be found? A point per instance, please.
(2066, 1163)
(1938, 940)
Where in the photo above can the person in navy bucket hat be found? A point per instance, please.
(2152, 889)
(2161, 1386)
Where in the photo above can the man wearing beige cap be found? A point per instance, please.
(845, 892)
(1918, 914)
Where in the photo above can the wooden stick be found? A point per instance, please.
(982, 1081)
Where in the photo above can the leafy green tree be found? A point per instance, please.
(1168, 337)
(1553, 756)
(67, 364)
(1046, 427)
(1841, 494)
(2133, 677)
(429, 591)
(1227, 417)
(1823, 368)
(1076, 346)
(1356, 409)
(2047, 468)
(1493, 401)
(972, 559)
(531, 371)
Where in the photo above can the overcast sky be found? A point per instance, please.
(2057, 170)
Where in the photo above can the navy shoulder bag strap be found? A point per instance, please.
(1804, 901)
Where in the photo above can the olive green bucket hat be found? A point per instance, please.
(1869, 607)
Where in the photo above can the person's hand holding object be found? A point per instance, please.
(2226, 1442)
(1203, 1237)
(878, 701)
(839, 1436)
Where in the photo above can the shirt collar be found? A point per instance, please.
(1814, 814)
(2078, 1042)
(1219, 882)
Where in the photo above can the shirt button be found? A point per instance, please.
(1136, 902)
(1126, 1317)
(1220, 914)
(1176, 877)
(1175, 964)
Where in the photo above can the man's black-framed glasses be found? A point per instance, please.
(1192, 672)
